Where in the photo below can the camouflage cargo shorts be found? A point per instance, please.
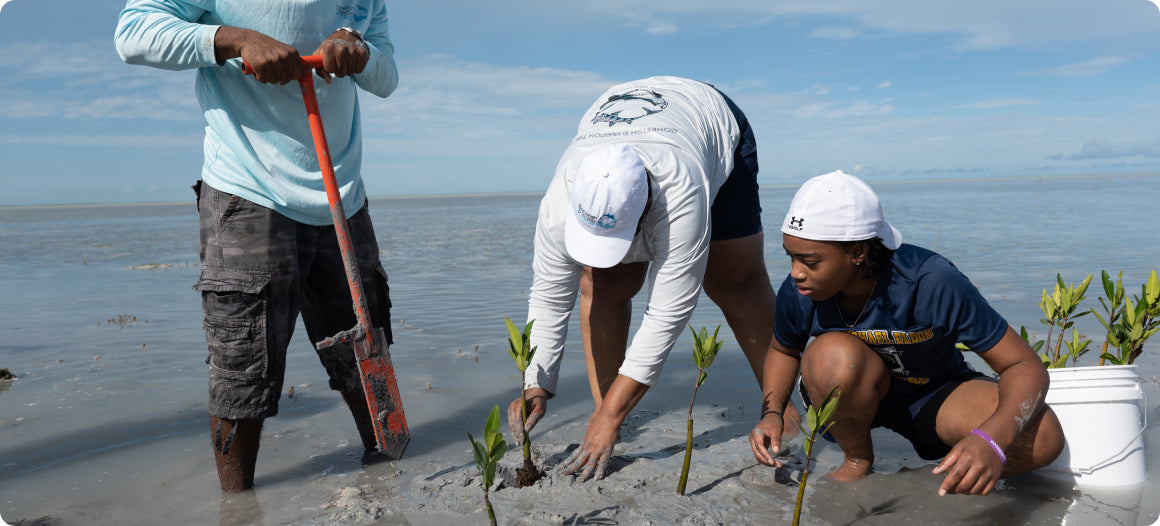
(259, 271)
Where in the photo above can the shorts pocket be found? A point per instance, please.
(234, 303)
(383, 316)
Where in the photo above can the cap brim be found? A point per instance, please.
(891, 238)
(592, 250)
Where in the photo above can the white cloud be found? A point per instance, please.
(839, 110)
(885, 84)
(1086, 68)
(87, 81)
(834, 33)
(999, 103)
(116, 141)
(981, 24)
(1102, 149)
(657, 27)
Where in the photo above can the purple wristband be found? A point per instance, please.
(991, 442)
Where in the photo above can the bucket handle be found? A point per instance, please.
(1100, 464)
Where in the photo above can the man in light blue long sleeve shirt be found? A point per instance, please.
(268, 250)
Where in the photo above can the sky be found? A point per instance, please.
(491, 93)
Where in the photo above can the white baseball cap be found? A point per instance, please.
(609, 193)
(838, 207)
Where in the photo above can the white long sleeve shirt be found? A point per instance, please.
(686, 134)
(258, 143)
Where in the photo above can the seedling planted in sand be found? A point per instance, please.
(487, 455)
(818, 423)
(704, 351)
(522, 351)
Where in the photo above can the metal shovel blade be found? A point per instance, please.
(383, 401)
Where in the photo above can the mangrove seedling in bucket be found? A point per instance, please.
(1059, 308)
(704, 351)
(1113, 305)
(487, 455)
(521, 351)
(818, 423)
(1136, 322)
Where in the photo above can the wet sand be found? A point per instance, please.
(311, 470)
(106, 422)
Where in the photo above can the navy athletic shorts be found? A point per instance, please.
(736, 210)
(915, 418)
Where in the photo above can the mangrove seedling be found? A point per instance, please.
(704, 351)
(1059, 311)
(521, 351)
(487, 455)
(1138, 321)
(1113, 305)
(817, 423)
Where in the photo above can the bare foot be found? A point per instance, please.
(852, 469)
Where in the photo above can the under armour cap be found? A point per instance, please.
(609, 192)
(838, 207)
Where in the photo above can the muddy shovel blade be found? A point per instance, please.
(383, 401)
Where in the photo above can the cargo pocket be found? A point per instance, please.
(234, 303)
(382, 318)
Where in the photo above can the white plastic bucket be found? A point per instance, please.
(1100, 410)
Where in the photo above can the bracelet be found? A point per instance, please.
(768, 411)
(991, 442)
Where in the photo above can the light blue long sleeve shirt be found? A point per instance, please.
(258, 144)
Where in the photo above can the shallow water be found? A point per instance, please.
(106, 422)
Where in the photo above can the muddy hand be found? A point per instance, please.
(594, 453)
(587, 462)
(537, 406)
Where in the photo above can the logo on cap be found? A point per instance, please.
(606, 221)
(796, 223)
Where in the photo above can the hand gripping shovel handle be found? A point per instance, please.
(370, 347)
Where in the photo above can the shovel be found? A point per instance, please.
(370, 346)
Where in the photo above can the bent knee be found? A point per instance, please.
(1049, 440)
(842, 359)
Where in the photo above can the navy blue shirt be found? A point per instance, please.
(921, 306)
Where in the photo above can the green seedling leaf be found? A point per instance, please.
(1152, 289)
(704, 352)
(818, 421)
(519, 344)
(481, 455)
(488, 452)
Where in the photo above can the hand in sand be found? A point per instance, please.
(765, 440)
(537, 406)
(593, 454)
(972, 468)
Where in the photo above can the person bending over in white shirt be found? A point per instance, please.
(659, 183)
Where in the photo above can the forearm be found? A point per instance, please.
(622, 397)
(381, 75)
(780, 375)
(229, 41)
(1022, 389)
